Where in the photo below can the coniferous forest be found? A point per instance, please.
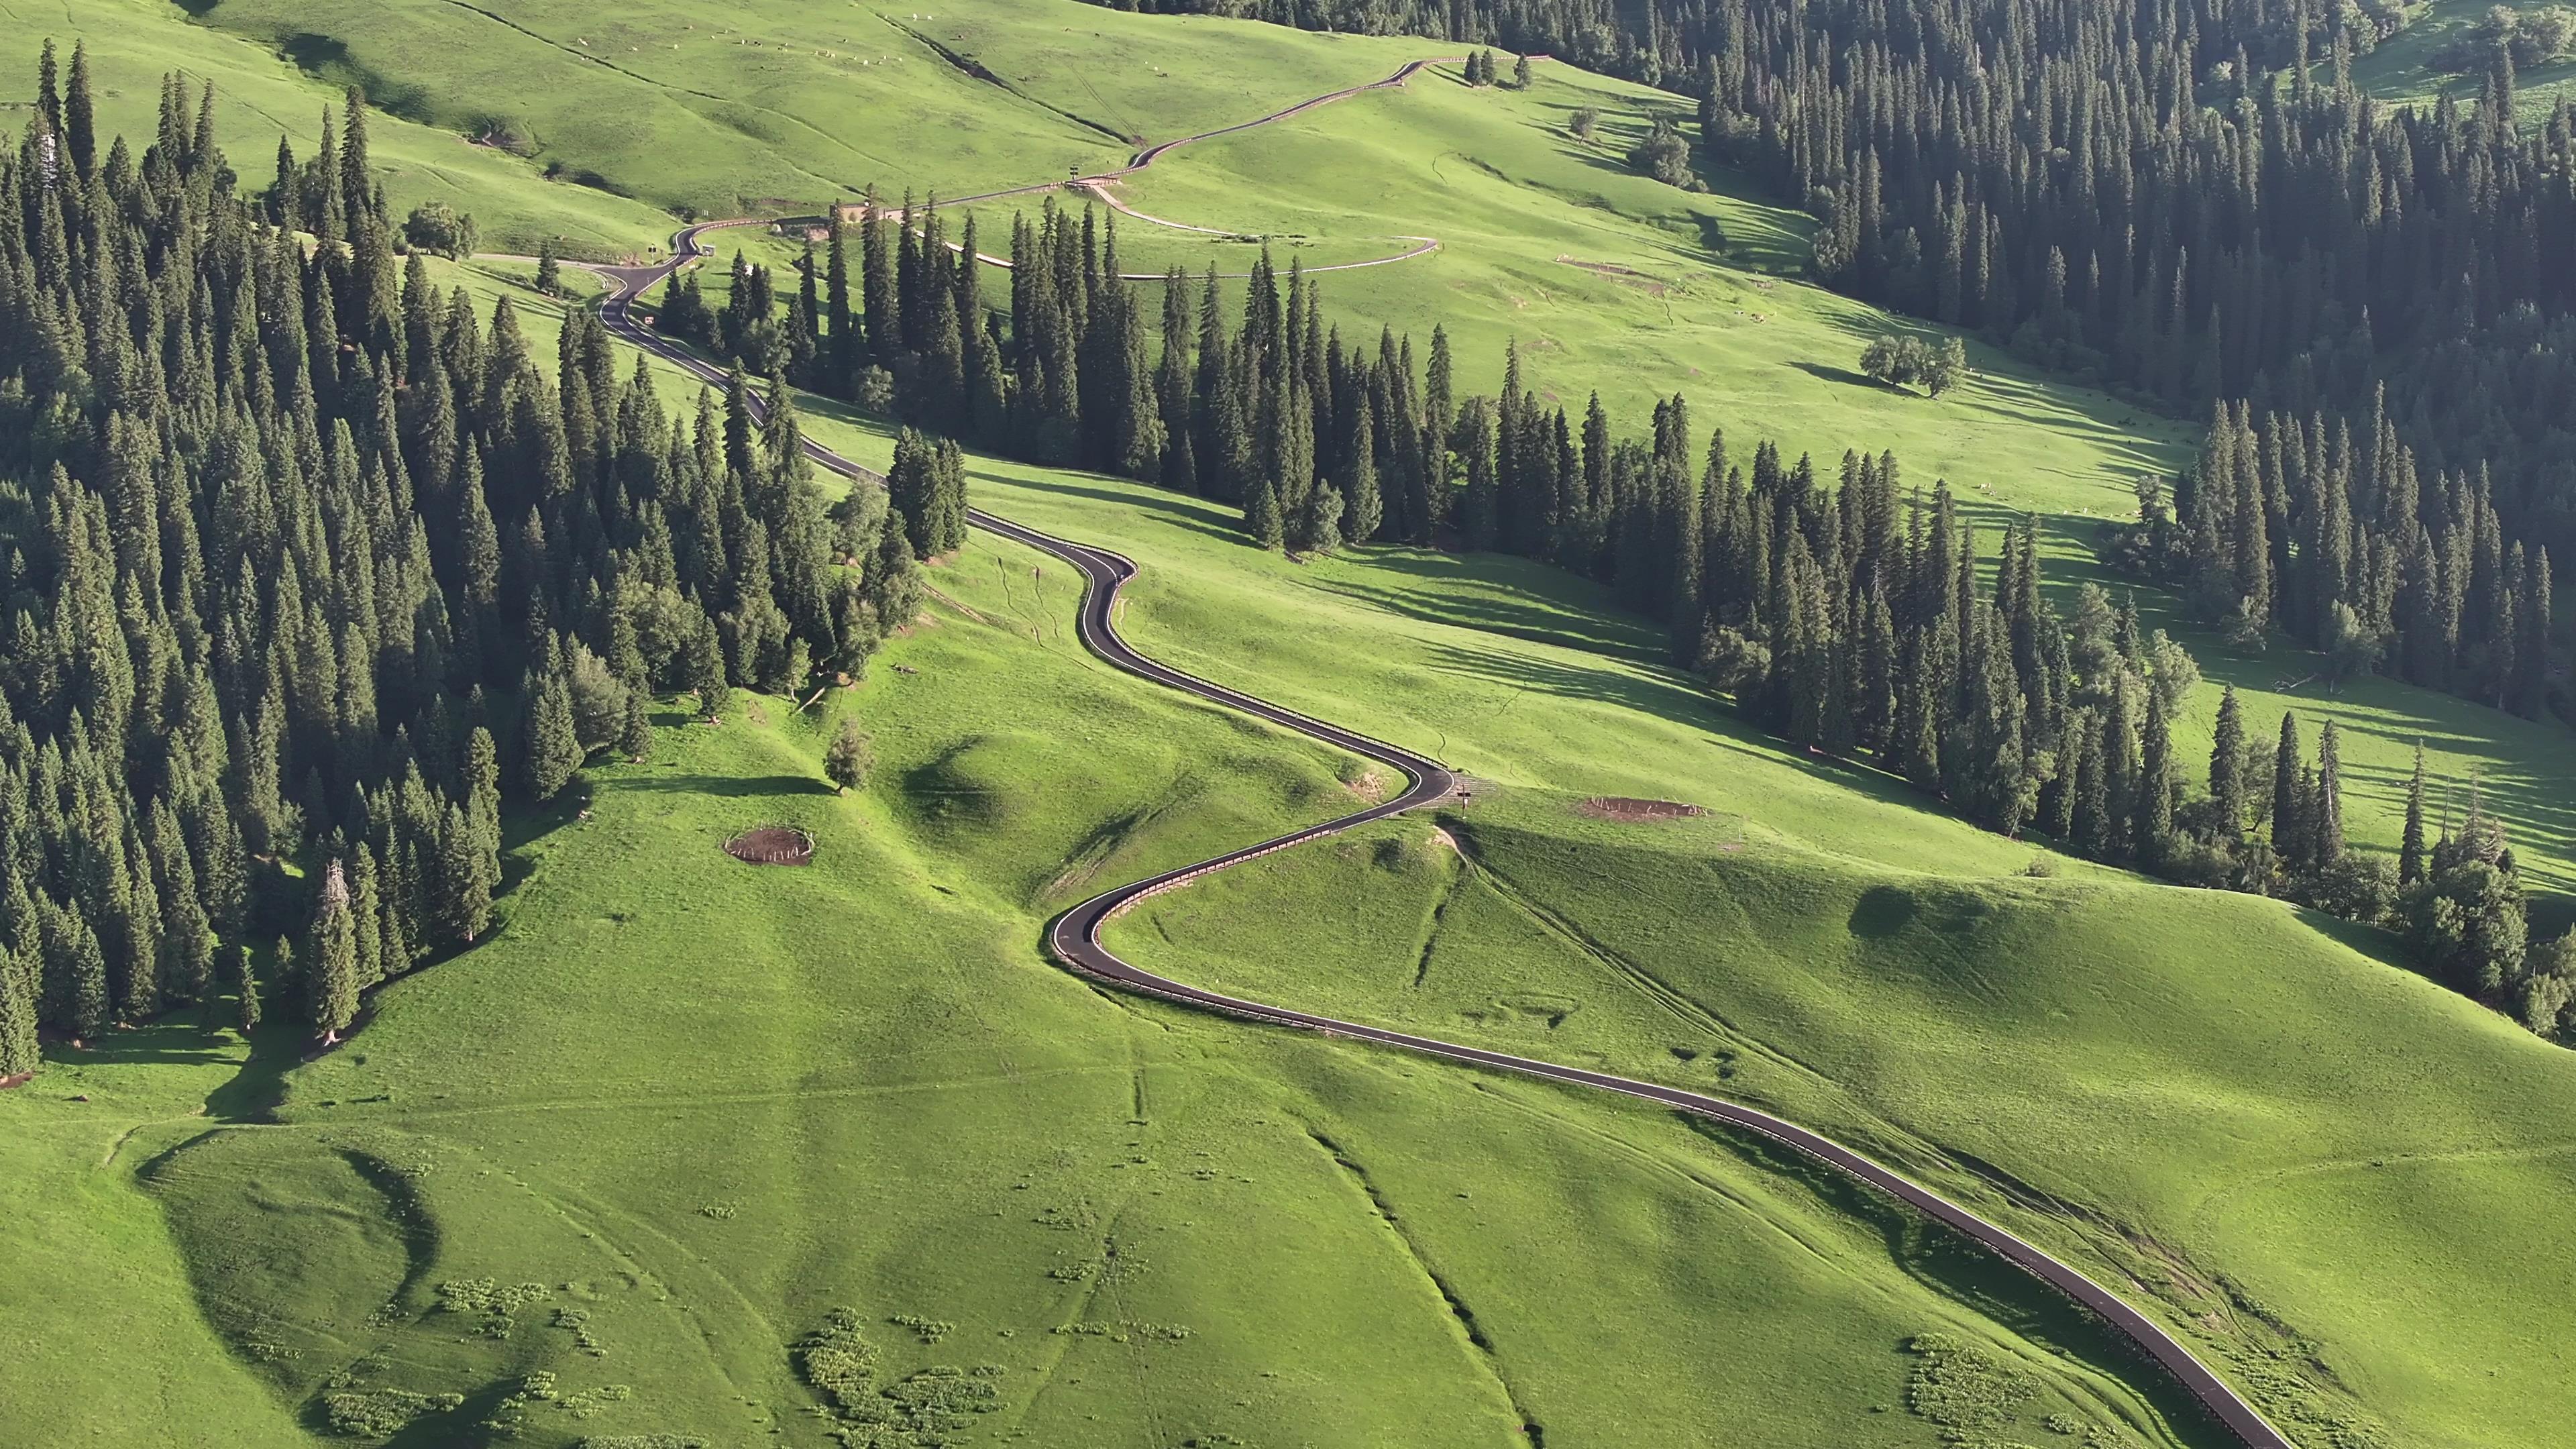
(297, 549)
(1845, 613)
(302, 547)
(2189, 200)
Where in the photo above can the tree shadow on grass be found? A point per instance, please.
(1959, 1269)
(1845, 377)
(729, 787)
(1669, 695)
(1186, 512)
(1514, 615)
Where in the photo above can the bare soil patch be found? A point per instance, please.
(772, 845)
(1622, 808)
(20, 1080)
(1650, 285)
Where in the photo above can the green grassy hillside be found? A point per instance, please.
(1606, 278)
(133, 43)
(2165, 1061)
(768, 106)
(696, 1106)
(680, 1108)
(2406, 69)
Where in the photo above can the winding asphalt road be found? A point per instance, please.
(1074, 936)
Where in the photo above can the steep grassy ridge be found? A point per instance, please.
(133, 43)
(769, 106)
(1607, 279)
(2404, 69)
(679, 1109)
(2154, 1057)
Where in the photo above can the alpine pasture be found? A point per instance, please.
(692, 1151)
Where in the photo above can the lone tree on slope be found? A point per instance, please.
(334, 973)
(848, 761)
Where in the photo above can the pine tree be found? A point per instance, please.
(1364, 506)
(549, 270)
(18, 1051)
(1261, 513)
(2410, 851)
(80, 126)
(332, 979)
(245, 992)
(2329, 812)
(2155, 788)
(549, 741)
(366, 914)
(2288, 840)
(1319, 520)
(635, 733)
(2227, 769)
(467, 873)
(850, 758)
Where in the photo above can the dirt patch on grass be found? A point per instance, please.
(1651, 286)
(20, 1080)
(1368, 785)
(772, 845)
(1622, 808)
(1446, 841)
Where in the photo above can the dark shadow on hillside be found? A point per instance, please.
(1845, 377)
(327, 57)
(1962, 1271)
(1668, 696)
(1881, 912)
(725, 786)
(177, 1037)
(1189, 513)
(1517, 617)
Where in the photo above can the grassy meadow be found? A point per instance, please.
(2188, 1087)
(1604, 278)
(679, 1109)
(766, 106)
(259, 95)
(2404, 69)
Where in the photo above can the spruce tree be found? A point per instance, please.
(549, 270)
(894, 585)
(2329, 810)
(549, 741)
(635, 734)
(467, 874)
(1261, 513)
(245, 992)
(1319, 520)
(2153, 832)
(18, 1051)
(332, 978)
(847, 762)
(2287, 841)
(366, 916)
(2410, 851)
(1364, 507)
(80, 126)
(483, 787)
(2227, 769)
